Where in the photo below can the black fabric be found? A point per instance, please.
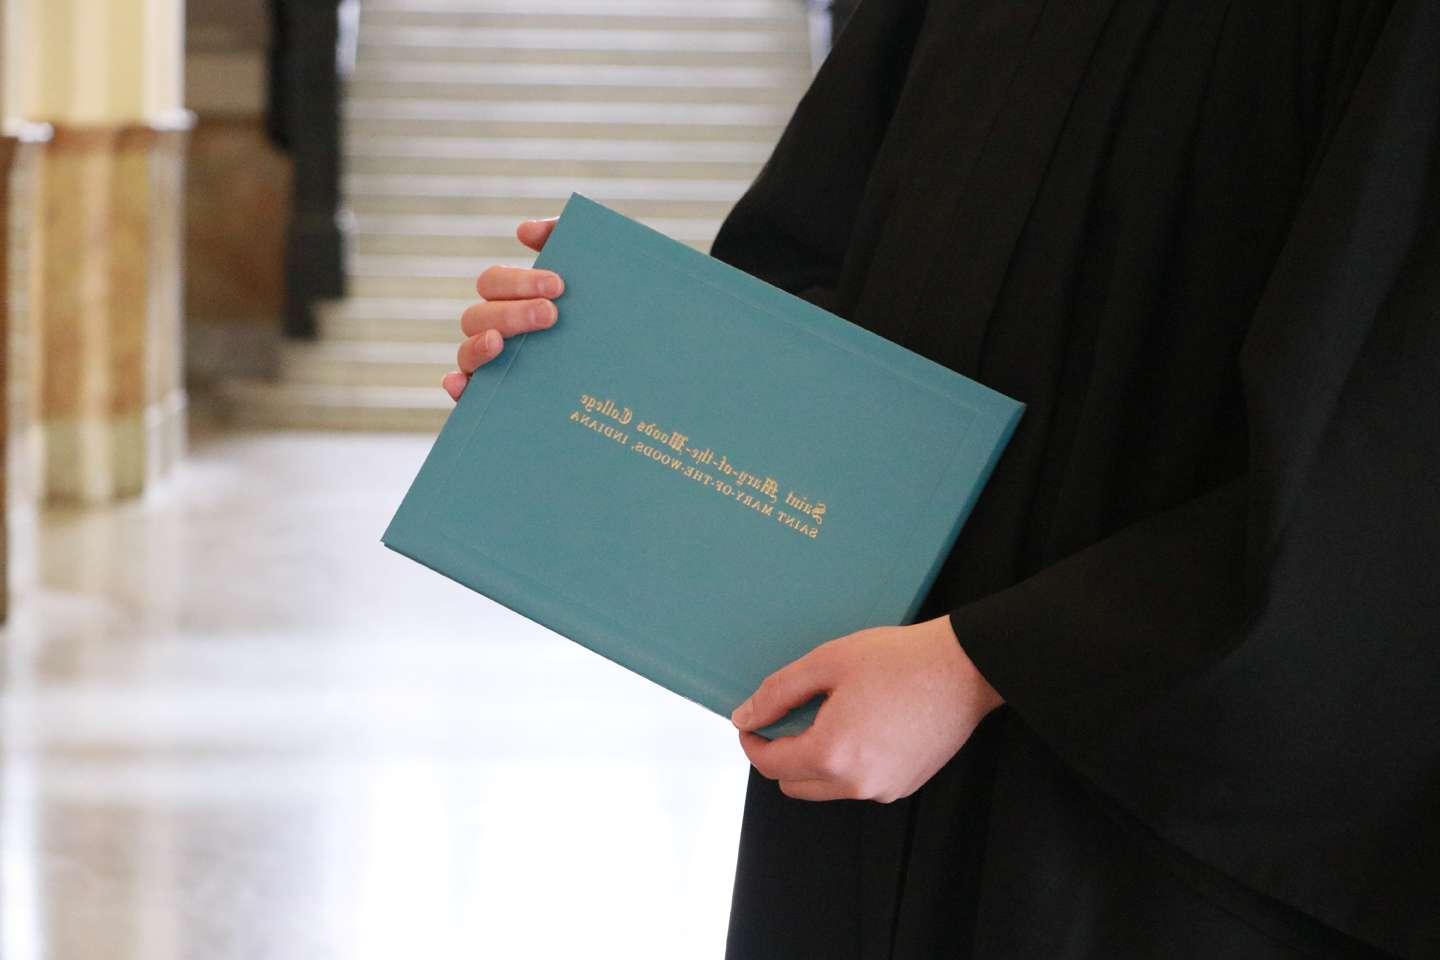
(1202, 243)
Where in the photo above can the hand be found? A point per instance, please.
(517, 300)
(901, 702)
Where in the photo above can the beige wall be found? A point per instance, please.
(94, 62)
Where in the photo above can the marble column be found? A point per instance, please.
(111, 399)
(7, 157)
(105, 74)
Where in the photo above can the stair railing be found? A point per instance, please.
(308, 51)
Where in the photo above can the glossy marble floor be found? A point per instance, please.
(235, 726)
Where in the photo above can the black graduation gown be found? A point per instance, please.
(1202, 242)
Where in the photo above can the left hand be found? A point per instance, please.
(517, 300)
(901, 702)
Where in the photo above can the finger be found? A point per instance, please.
(478, 350)
(454, 383)
(534, 233)
(801, 757)
(783, 690)
(518, 283)
(813, 790)
(508, 317)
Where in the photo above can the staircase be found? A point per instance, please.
(464, 117)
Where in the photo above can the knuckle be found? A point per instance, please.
(825, 658)
(473, 320)
(542, 312)
(489, 280)
(863, 788)
(527, 314)
(766, 769)
(832, 759)
(462, 355)
(747, 746)
(767, 693)
(471, 354)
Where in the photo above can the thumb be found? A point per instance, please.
(534, 233)
(785, 689)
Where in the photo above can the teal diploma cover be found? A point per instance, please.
(696, 474)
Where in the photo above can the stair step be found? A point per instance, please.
(464, 117)
(412, 277)
(436, 234)
(671, 8)
(764, 14)
(602, 77)
(639, 129)
(437, 50)
(537, 149)
(560, 157)
(254, 403)
(532, 197)
(408, 329)
(363, 309)
(360, 364)
(370, 87)
(533, 205)
(616, 37)
(571, 157)
(478, 237)
(564, 118)
(432, 319)
(396, 331)
(569, 111)
(542, 187)
(453, 268)
(444, 166)
(402, 275)
(587, 17)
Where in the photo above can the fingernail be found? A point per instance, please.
(741, 716)
(492, 341)
(550, 286)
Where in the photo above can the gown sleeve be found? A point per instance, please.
(793, 231)
(1255, 673)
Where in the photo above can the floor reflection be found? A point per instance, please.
(234, 725)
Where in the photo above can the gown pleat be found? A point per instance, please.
(1094, 207)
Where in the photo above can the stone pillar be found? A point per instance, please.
(106, 75)
(19, 266)
(23, 296)
(7, 157)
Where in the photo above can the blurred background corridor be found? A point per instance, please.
(238, 237)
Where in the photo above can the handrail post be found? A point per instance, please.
(305, 100)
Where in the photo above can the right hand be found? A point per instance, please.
(516, 300)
